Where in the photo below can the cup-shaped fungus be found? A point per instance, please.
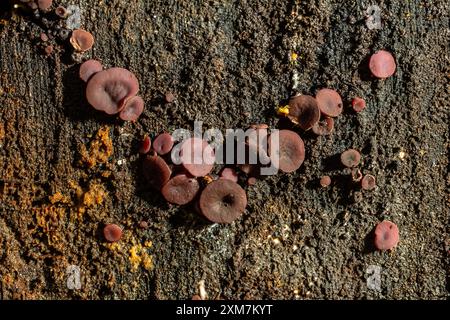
(181, 189)
(44, 5)
(81, 40)
(289, 154)
(386, 235)
(382, 64)
(132, 109)
(368, 182)
(358, 104)
(229, 174)
(112, 232)
(323, 127)
(329, 102)
(303, 111)
(89, 68)
(163, 143)
(156, 171)
(108, 90)
(197, 157)
(222, 201)
(146, 145)
(350, 158)
(61, 12)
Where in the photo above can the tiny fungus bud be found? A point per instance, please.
(48, 50)
(350, 158)
(386, 235)
(223, 201)
(146, 145)
(329, 102)
(43, 37)
(169, 97)
(81, 40)
(44, 5)
(112, 232)
(324, 127)
(163, 143)
(325, 181)
(89, 68)
(382, 64)
(368, 182)
(61, 12)
(251, 181)
(181, 189)
(358, 104)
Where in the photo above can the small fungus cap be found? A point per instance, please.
(350, 158)
(156, 171)
(112, 232)
(329, 102)
(386, 235)
(290, 150)
(303, 111)
(81, 40)
(89, 68)
(132, 109)
(223, 201)
(382, 64)
(163, 143)
(108, 90)
(44, 5)
(181, 189)
(324, 127)
(197, 157)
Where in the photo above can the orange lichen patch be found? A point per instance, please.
(90, 198)
(140, 257)
(58, 197)
(2, 132)
(49, 219)
(100, 149)
(94, 196)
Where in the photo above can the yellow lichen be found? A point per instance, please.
(100, 149)
(294, 56)
(139, 256)
(283, 111)
(58, 197)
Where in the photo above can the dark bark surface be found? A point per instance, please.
(229, 64)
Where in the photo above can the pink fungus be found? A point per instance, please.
(180, 189)
(89, 68)
(358, 104)
(109, 89)
(132, 109)
(163, 143)
(146, 144)
(197, 157)
(44, 5)
(382, 64)
(230, 174)
(329, 102)
(386, 235)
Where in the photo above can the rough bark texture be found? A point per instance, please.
(230, 64)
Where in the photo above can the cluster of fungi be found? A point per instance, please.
(219, 199)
